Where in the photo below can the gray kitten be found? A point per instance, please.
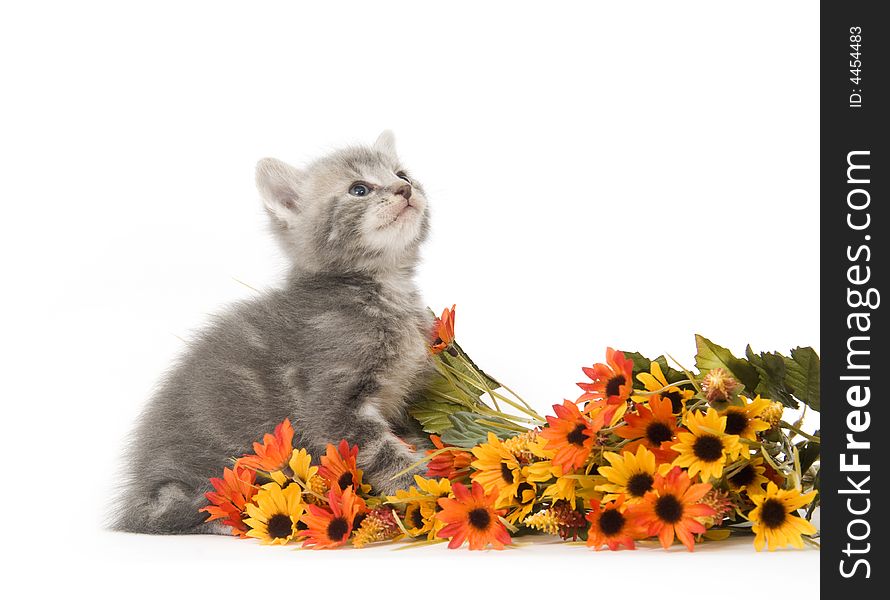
(340, 350)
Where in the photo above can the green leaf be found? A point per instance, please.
(713, 356)
(771, 368)
(466, 431)
(808, 452)
(433, 415)
(802, 376)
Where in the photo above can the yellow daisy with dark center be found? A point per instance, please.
(705, 448)
(775, 520)
(275, 513)
(744, 421)
(630, 474)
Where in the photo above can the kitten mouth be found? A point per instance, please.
(408, 208)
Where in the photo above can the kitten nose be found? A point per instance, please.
(404, 190)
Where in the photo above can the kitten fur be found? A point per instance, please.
(340, 349)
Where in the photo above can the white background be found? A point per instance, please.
(599, 174)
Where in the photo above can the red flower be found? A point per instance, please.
(611, 380)
(274, 451)
(443, 330)
(471, 516)
(654, 426)
(570, 434)
(338, 467)
(453, 465)
(330, 528)
(609, 526)
(232, 493)
(671, 508)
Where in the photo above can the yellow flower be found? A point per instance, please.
(630, 474)
(274, 513)
(744, 420)
(301, 465)
(421, 505)
(775, 518)
(521, 503)
(496, 468)
(705, 448)
(749, 478)
(655, 380)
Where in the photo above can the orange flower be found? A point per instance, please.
(443, 330)
(611, 386)
(471, 515)
(231, 495)
(654, 427)
(611, 380)
(274, 451)
(609, 526)
(570, 434)
(672, 507)
(330, 528)
(338, 467)
(449, 465)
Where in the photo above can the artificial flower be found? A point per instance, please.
(706, 446)
(521, 503)
(609, 526)
(744, 421)
(654, 426)
(274, 513)
(443, 331)
(338, 467)
(331, 527)
(672, 508)
(775, 520)
(570, 435)
(610, 387)
(471, 516)
(630, 475)
(273, 453)
(496, 468)
(231, 494)
(749, 477)
(379, 525)
(450, 464)
(655, 382)
(718, 385)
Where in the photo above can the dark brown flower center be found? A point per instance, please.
(668, 509)
(613, 387)
(708, 448)
(506, 473)
(611, 521)
(522, 489)
(280, 526)
(745, 476)
(415, 518)
(345, 480)
(676, 399)
(736, 422)
(658, 432)
(337, 529)
(639, 483)
(577, 435)
(772, 513)
(479, 518)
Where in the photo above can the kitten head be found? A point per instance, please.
(357, 209)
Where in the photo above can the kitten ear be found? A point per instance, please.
(278, 184)
(386, 142)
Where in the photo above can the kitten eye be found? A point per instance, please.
(359, 189)
(402, 175)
